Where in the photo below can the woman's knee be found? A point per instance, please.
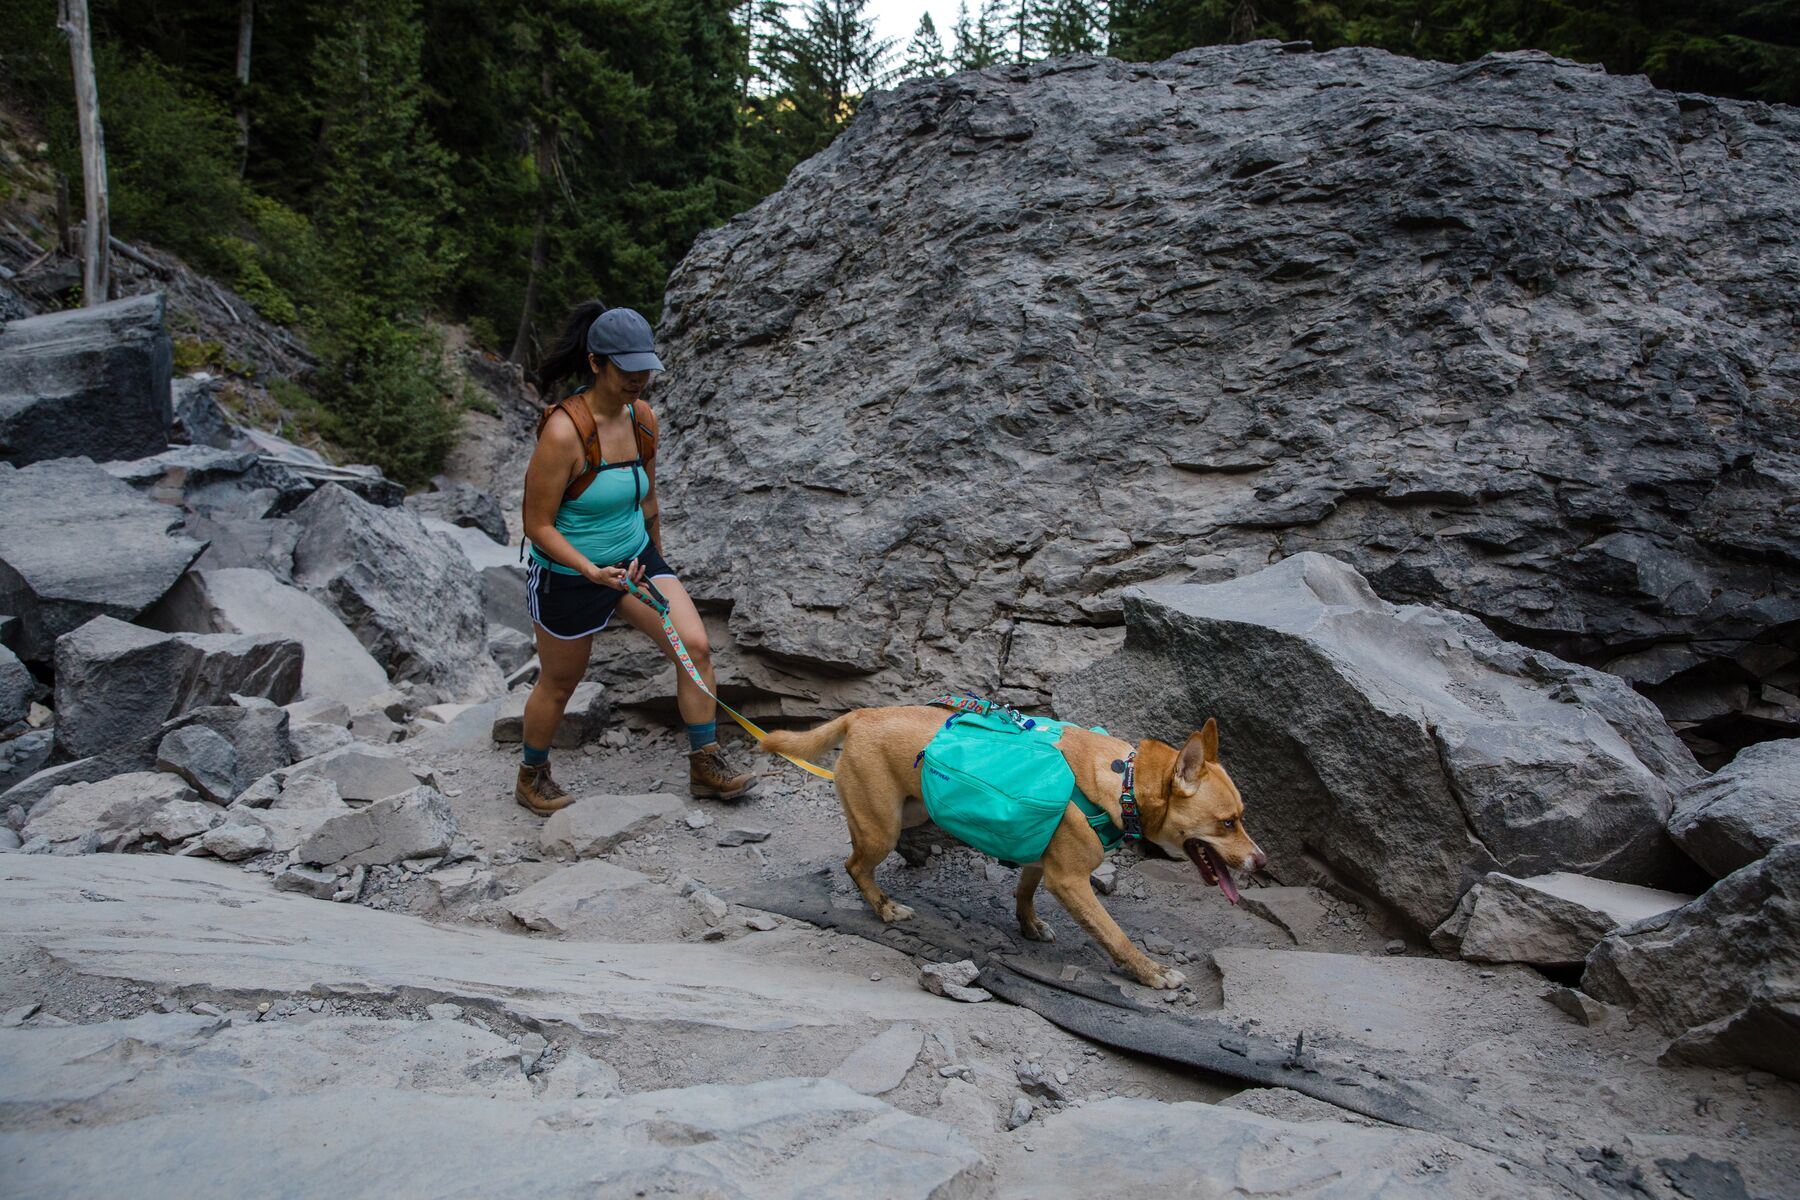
(554, 689)
(699, 649)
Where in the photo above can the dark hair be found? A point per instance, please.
(568, 358)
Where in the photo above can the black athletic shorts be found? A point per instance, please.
(573, 606)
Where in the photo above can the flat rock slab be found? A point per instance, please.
(880, 1065)
(362, 773)
(417, 823)
(1227, 1153)
(78, 544)
(1299, 911)
(190, 923)
(594, 825)
(778, 1139)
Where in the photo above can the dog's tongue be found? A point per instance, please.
(1213, 864)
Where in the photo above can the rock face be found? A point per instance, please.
(1514, 337)
(91, 381)
(75, 544)
(1749, 807)
(246, 600)
(1551, 920)
(1405, 746)
(1722, 975)
(412, 601)
(117, 683)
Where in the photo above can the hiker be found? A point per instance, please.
(592, 518)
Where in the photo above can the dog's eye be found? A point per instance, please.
(1228, 824)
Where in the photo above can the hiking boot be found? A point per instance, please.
(709, 775)
(537, 791)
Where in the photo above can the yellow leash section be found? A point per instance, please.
(649, 596)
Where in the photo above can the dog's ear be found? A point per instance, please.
(1201, 748)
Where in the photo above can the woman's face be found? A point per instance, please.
(629, 384)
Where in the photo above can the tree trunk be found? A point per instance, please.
(96, 275)
(246, 20)
(543, 150)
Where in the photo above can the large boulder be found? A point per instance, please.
(117, 683)
(463, 505)
(413, 601)
(116, 811)
(259, 736)
(75, 544)
(1019, 339)
(17, 687)
(33, 789)
(1745, 810)
(1721, 975)
(91, 381)
(246, 600)
(1407, 747)
(266, 544)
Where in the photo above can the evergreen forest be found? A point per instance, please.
(355, 169)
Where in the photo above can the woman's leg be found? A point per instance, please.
(708, 772)
(561, 665)
(697, 708)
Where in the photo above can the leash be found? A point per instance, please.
(647, 594)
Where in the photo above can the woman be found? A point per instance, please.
(592, 517)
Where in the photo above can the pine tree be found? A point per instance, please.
(382, 199)
(983, 43)
(1071, 27)
(924, 56)
(813, 76)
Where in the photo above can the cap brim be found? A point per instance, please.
(641, 361)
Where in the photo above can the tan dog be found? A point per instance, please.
(1186, 802)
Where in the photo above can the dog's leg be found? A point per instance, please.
(874, 820)
(1067, 865)
(1029, 925)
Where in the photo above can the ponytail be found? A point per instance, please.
(567, 359)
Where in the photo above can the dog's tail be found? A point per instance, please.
(807, 743)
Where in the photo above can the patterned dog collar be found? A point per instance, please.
(1128, 813)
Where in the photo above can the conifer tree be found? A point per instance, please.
(982, 43)
(1071, 27)
(924, 56)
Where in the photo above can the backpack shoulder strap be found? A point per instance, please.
(586, 430)
(644, 429)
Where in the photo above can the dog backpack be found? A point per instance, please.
(999, 783)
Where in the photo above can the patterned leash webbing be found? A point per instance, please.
(647, 593)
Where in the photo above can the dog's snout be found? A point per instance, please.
(1258, 860)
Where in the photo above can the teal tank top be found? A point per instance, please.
(606, 522)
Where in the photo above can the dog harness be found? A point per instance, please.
(996, 780)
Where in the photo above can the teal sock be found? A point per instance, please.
(702, 736)
(535, 757)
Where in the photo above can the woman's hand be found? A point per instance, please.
(616, 577)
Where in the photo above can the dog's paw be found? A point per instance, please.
(1166, 978)
(894, 911)
(1037, 931)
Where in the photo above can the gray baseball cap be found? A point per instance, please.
(623, 335)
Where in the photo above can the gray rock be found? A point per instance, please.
(954, 980)
(596, 824)
(31, 791)
(578, 1077)
(205, 759)
(91, 381)
(413, 824)
(118, 683)
(1240, 316)
(583, 720)
(1042, 1082)
(179, 820)
(244, 600)
(1578, 1004)
(503, 598)
(511, 648)
(1750, 806)
(201, 479)
(17, 688)
(413, 602)
(117, 809)
(238, 543)
(1021, 1113)
(237, 838)
(594, 900)
(1722, 975)
(742, 837)
(9, 840)
(1299, 911)
(531, 1048)
(1426, 753)
(1225, 1152)
(312, 739)
(881, 1064)
(76, 544)
(259, 733)
(23, 756)
(462, 505)
(361, 773)
(198, 419)
(320, 884)
(1548, 921)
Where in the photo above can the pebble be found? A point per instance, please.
(742, 837)
(713, 935)
(531, 1049)
(1395, 946)
(761, 923)
(1021, 1112)
(443, 1012)
(697, 819)
(204, 1009)
(876, 977)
